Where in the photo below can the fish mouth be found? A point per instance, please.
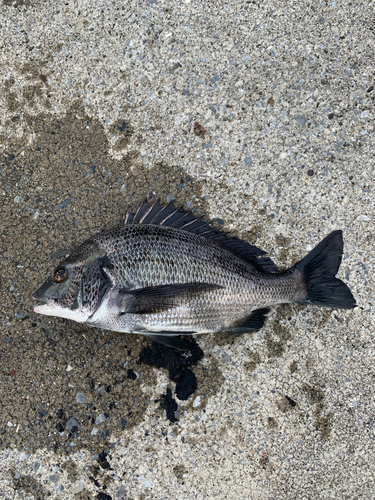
(48, 301)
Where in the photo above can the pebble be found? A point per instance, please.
(121, 492)
(72, 422)
(78, 488)
(301, 120)
(100, 419)
(80, 397)
(53, 478)
(197, 401)
(145, 482)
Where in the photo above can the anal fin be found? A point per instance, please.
(251, 323)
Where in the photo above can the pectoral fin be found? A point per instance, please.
(155, 299)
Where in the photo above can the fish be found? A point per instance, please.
(165, 273)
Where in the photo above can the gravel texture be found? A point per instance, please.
(258, 116)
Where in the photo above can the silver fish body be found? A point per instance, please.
(163, 273)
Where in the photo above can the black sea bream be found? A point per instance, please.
(163, 273)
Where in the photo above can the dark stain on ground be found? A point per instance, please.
(322, 422)
(18, 3)
(83, 495)
(286, 403)
(254, 360)
(284, 256)
(168, 403)
(179, 369)
(30, 486)
(293, 367)
(277, 341)
(103, 496)
(272, 423)
(123, 130)
(180, 471)
(61, 188)
(199, 130)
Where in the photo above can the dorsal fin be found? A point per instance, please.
(169, 215)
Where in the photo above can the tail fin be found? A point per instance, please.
(319, 268)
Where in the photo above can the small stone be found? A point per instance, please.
(370, 89)
(53, 478)
(94, 431)
(100, 419)
(69, 368)
(123, 423)
(248, 161)
(131, 374)
(104, 434)
(36, 466)
(78, 488)
(72, 422)
(17, 475)
(80, 397)
(365, 113)
(121, 492)
(310, 173)
(144, 481)
(60, 413)
(301, 120)
(197, 401)
(16, 199)
(64, 204)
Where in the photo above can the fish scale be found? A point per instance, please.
(164, 272)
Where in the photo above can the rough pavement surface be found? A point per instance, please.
(259, 117)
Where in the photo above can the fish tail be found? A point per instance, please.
(318, 271)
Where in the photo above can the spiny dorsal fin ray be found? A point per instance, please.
(169, 215)
(142, 209)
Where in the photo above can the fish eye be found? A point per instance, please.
(60, 275)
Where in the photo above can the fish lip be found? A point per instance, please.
(38, 296)
(42, 297)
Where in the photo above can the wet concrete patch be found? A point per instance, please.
(63, 386)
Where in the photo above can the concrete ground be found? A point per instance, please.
(258, 116)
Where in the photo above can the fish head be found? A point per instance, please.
(77, 285)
